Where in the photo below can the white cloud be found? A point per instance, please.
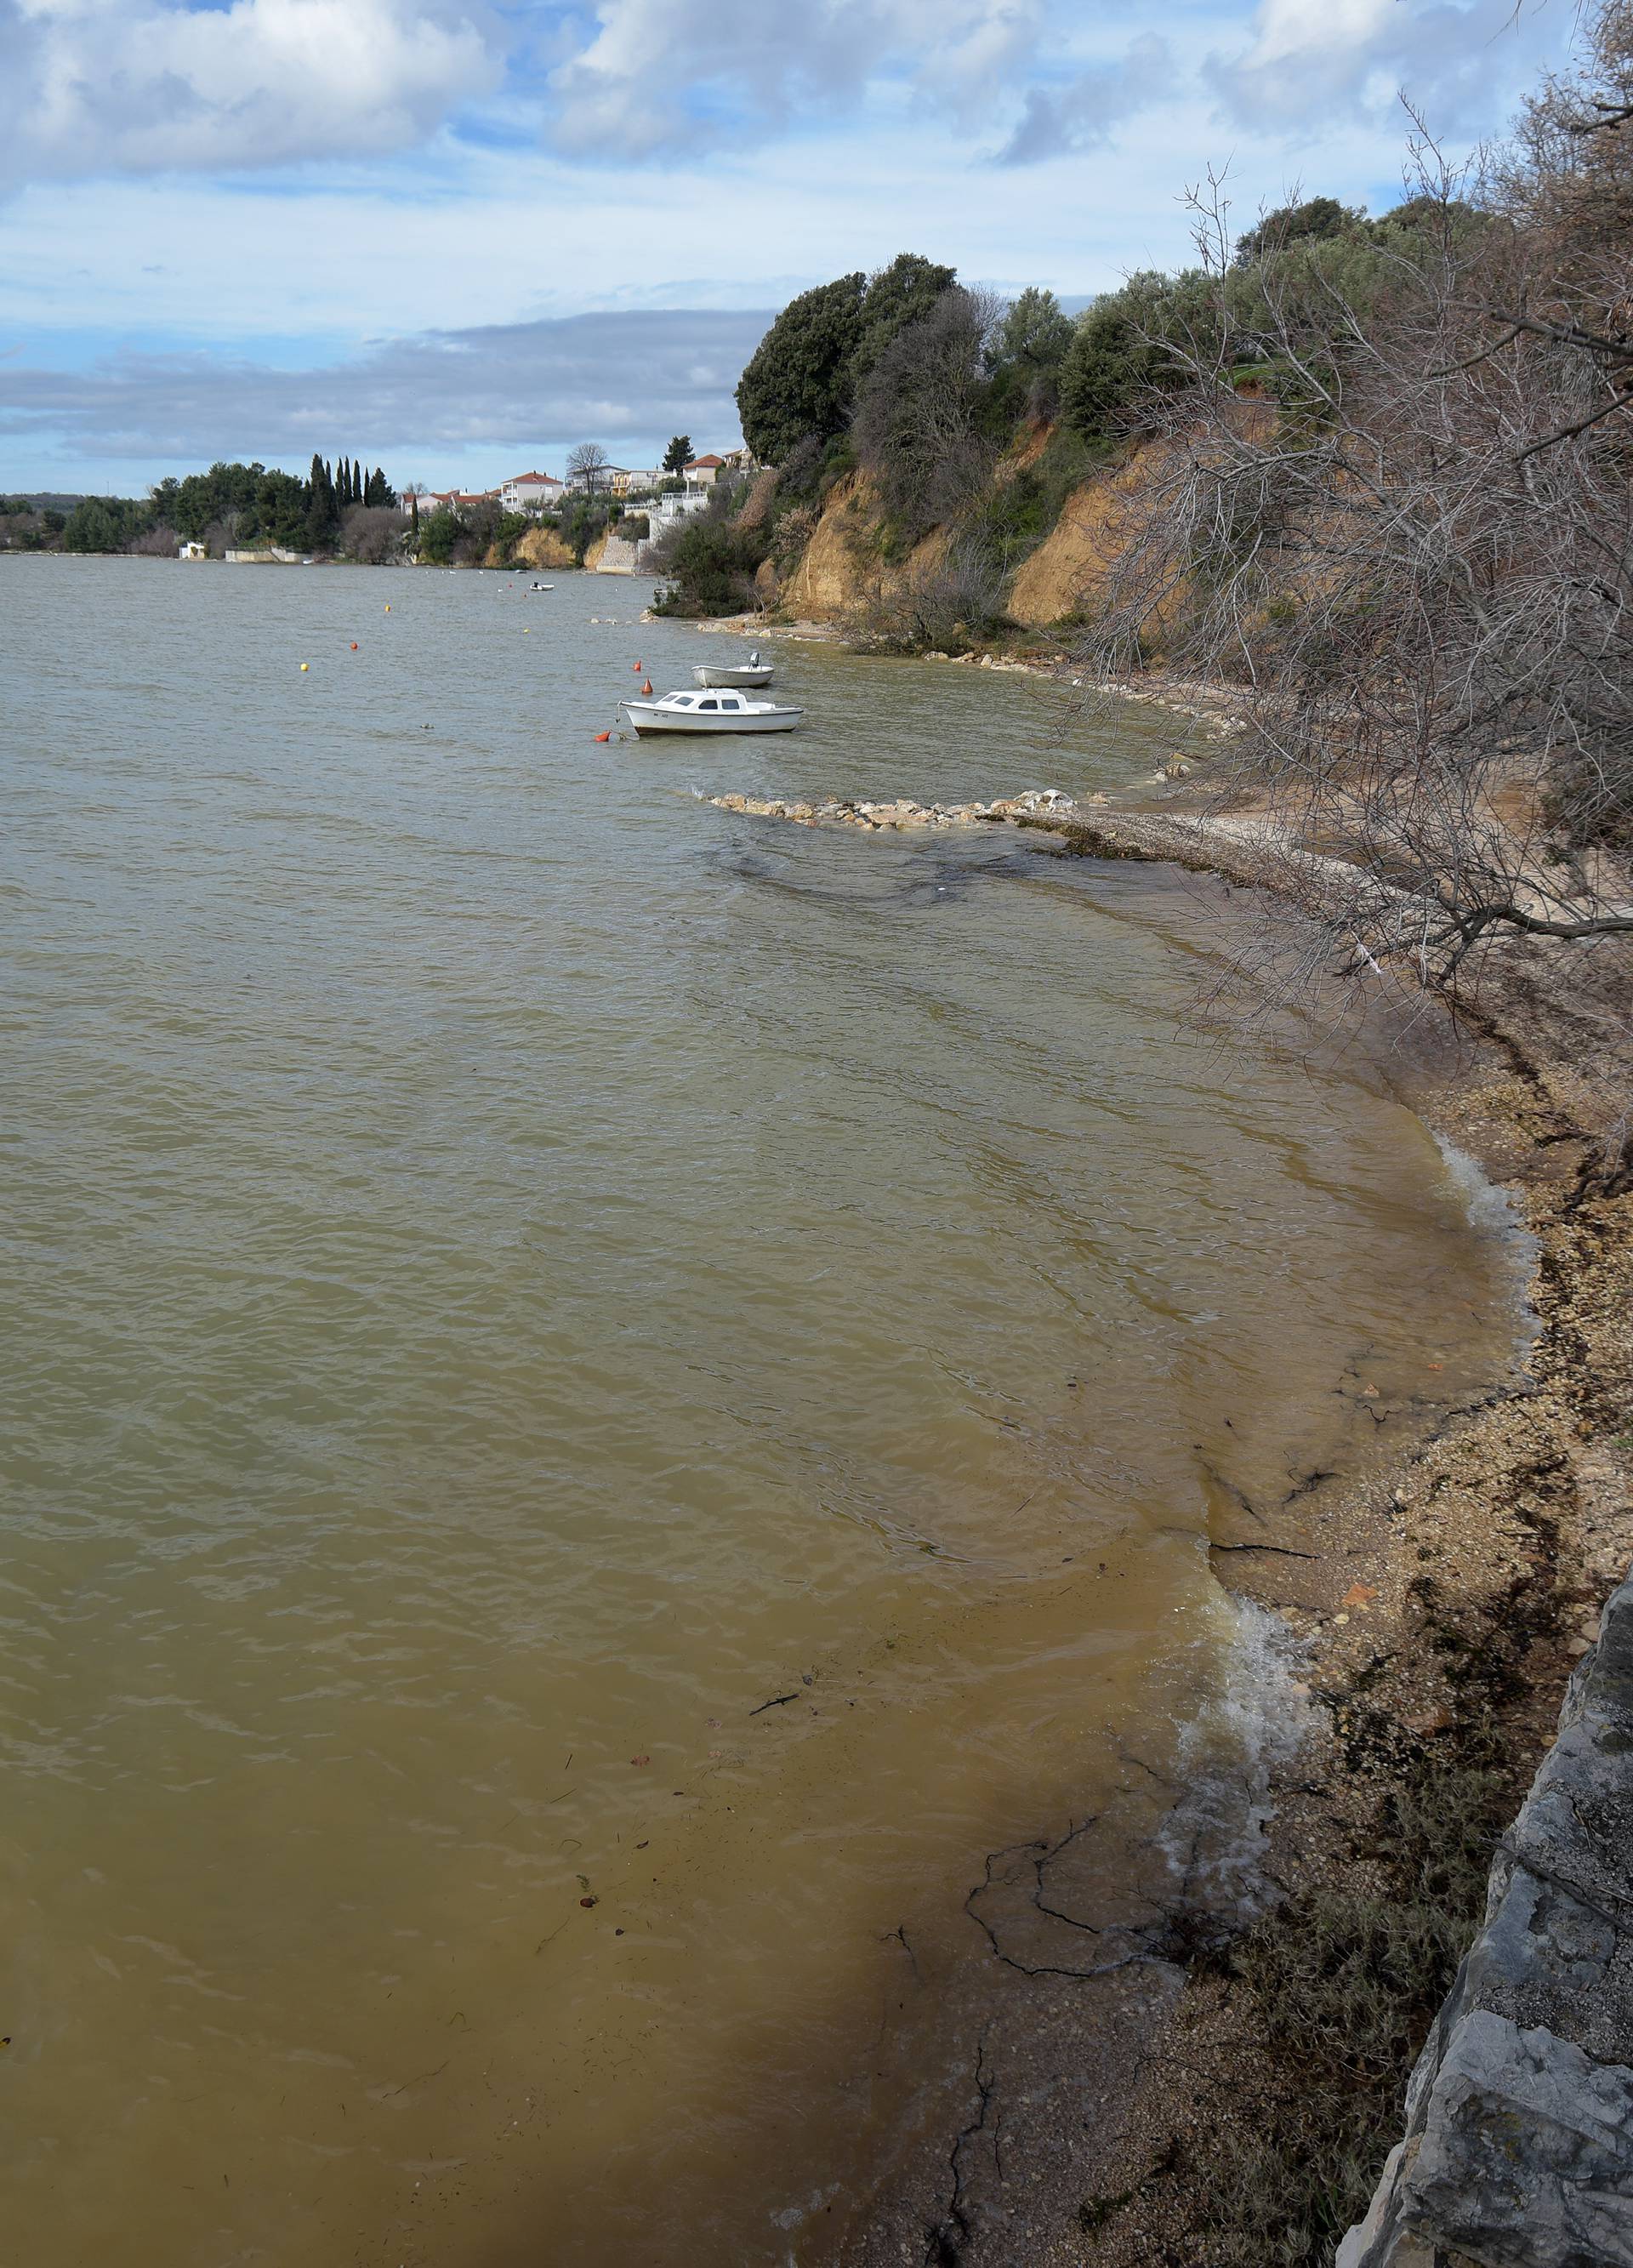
(1310, 60)
(99, 86)
(662, 76)
(1085, 113)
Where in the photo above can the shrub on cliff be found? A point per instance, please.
(1023, 355)
(1442, 486)
(918, 427)
(710, 566)
(797, 380)
(801, 381)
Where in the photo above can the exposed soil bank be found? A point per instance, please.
(1441, 1600)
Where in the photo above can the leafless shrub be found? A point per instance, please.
(949, 606)
(1416, 560)
(372, 533)
(916, 426)
(155, 543)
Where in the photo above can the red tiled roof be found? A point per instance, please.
(695, 461)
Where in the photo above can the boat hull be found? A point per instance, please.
(744, 679)
(648, 718)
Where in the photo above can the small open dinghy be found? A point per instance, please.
(740, 674)
(710, 712)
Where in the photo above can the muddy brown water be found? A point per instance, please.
(601, 1398)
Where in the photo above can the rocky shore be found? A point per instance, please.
(1447, 1604)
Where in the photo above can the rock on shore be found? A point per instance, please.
(1518, 2148)
(1037, 802)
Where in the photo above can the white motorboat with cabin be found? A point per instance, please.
(742, 674)
(710, 712)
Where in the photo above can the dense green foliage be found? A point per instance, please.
(797, 383)
(1317, 217)
(711, 566)
(802, 379)
(231, 505)
(1024, 356)
(678, 456)
(105, 524)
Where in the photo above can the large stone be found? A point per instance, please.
(1519, 2151)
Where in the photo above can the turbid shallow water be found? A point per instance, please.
(509, 1270)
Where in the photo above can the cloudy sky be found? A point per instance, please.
(458, 236)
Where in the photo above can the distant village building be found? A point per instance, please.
(192, 550)
(532, 492)
(537, 492)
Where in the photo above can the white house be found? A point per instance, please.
(532, 492)
(703, 472)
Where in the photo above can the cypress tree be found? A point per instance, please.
(320, 511)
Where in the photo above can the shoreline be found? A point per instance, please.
(1439, 1605)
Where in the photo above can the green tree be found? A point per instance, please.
(711, 568)
(439, 534)
(897, 296)
(91, 526)
(799, 378)
(802, 380)
(1119, 351)
(1033, 336)
(321, 509)
(1318, 217)
(678, 456)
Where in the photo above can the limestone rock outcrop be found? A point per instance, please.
(1518, 2148)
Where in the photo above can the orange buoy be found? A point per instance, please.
(354, 645)
(646, 685)
(637, 667)
(603, 736)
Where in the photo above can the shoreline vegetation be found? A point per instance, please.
(1439, 1601)
(1353, 498)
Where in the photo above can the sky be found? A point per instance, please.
(457, 237)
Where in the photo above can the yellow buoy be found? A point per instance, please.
(388, 610)
(306, 664)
